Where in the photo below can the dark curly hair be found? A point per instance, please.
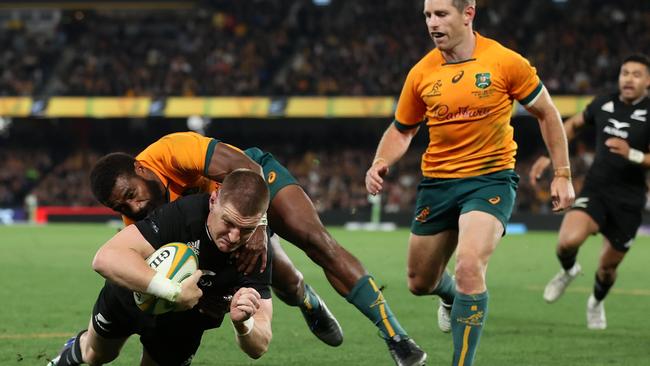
(105, 173)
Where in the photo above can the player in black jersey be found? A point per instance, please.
(614, 192)
(213, 225)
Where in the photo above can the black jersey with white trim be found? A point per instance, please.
(184, 220)
(613, 172)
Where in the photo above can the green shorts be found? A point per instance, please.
(276, 175)
(441, 201)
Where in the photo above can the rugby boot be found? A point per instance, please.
(555, 288)
(405, 351)
(596, 319)
(444, 317)
(321, 322)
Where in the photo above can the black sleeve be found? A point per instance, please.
(163, 226)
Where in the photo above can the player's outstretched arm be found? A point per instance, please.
(251, 318)
(121, 259)
(392, 146)
(227, 158)
(555, 138)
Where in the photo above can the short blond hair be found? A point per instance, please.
(462, 4)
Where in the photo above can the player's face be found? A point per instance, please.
(633, 81)
(228, 228)
(135, 197)
(446, 25)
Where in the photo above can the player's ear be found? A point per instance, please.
(138, 168)
(213, 199)
(468, 14)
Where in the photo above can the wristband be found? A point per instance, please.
(378, 160)
(564, 172)
(636, 156)
(249, 324)
(263, 221)
(164, 288)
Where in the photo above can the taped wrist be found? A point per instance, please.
(249, 324)
(164, 288)
(636, 156)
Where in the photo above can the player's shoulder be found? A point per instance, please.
(432, 60)
(605, 101)
(495, 50)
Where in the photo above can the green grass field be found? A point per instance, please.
(48, 290)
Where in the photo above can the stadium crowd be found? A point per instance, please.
(334, 179)
(282, 47)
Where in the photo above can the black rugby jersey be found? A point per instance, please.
(613, 172)
(184, 220)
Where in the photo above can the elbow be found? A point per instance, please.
(260, 348)
(101, 263)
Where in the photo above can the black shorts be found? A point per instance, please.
(618, 221)
(171, 339)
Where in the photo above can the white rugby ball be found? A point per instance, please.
(176, 261)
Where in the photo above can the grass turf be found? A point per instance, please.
(48, 290)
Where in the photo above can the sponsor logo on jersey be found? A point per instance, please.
(271, 177)
(639, 114)
(483, 80)
(441, 112)
(458, 76)
(422, 216)
(617, 128)
(495, 200)
(608, 107)
(195, 246)
(435, 89)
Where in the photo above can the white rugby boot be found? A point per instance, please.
(444, 316)
(596, 319)
(556, 286)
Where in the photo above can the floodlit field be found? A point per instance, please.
(48, 289)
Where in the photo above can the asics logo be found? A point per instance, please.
(458, 76)
(495, 200)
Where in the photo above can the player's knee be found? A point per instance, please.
(607, 274)
(469, 275)
(419, 286)
(570, 241)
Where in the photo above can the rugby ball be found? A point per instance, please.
(177, 261)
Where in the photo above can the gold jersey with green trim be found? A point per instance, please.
(467, 108)
(180, 160)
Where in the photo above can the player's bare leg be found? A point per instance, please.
(576, 227)
(428, 256)
(610, 259)
(293, 216)
(478, 236)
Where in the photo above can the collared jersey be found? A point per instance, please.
(467, 108)
(180, 160)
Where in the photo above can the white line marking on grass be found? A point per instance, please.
(36, 335)
(588, 290)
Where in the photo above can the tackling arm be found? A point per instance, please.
(122, 261)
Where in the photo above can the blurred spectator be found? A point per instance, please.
(284, 47)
